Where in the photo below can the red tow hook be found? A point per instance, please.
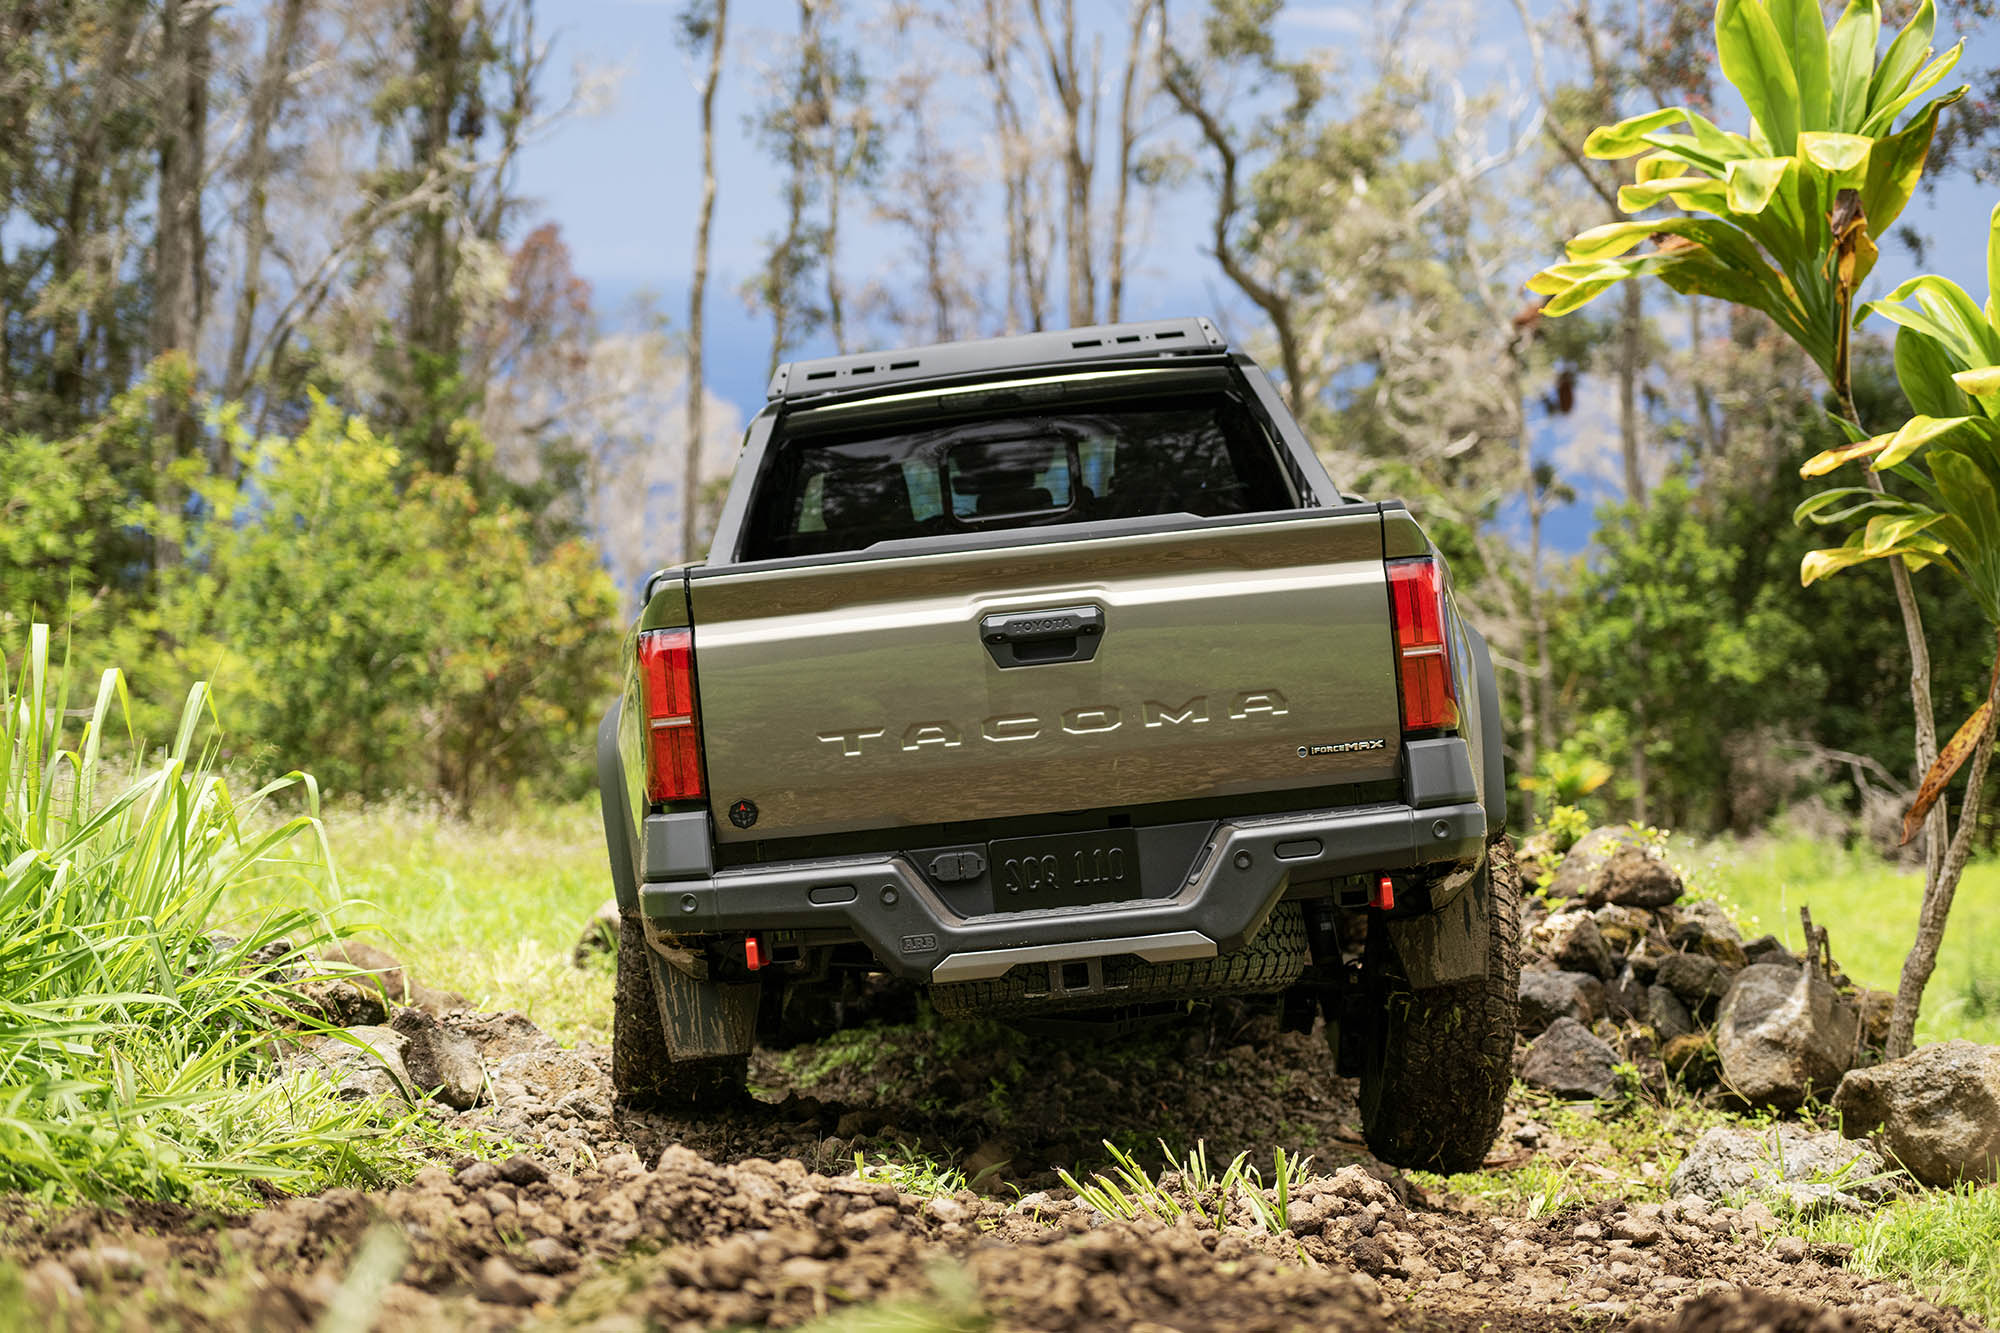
(753, 953)
(1384, 897)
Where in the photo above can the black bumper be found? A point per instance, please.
(1234, 883)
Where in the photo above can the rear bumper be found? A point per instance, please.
(1244, 870)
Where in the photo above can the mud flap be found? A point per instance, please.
(1450, 944)
(702, 1019)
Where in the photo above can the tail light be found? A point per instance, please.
(1416, 596)
(673, 741)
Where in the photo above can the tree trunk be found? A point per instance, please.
(698, 290)
(1940, 888)
(1067, 76)
(266, 99)
(1127, 139)
(433, 333)
(179, 268)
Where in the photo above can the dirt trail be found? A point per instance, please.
(616, 1220)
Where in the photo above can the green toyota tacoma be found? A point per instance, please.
(1054, 674)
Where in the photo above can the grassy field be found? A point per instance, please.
(491, 910)
(1869, 908)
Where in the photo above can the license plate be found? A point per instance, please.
(1064, 870)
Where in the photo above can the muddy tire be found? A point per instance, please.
(643, 1070)
(1435, 1077)
(1270, 961)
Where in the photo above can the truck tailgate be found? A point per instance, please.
(1230, 657)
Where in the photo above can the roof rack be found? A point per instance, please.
(838, 374)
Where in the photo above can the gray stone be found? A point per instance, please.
(360, 1062)
(371, 968)
(1784, 1036)
(1710, 917)
(1804, 1170)
(440, 1060)
(1767, 949)
(1547, 996)
(1570, 1062)
(1938, 1110)
(1572, 942)
(1697, 979)
(600, 935)
(1670, 1016)
(1581, 873)
(1625, 997)
(1635, 877)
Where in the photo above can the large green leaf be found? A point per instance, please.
(1819, 507)
(1883, 118)
(1969, 495)
(1946, 313)
(1753, 181)
(1754, 61)
(1802, 30)
(1896, 163)
(1913, 435)
(1925, 370)
(1838, 154)
(1981, 383)
(1993, 268)
(1693, 193)
(1907, 52)
(1627, 137)
(1851, 52)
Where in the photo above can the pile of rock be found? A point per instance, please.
(1621, 970)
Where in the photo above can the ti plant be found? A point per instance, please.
(1783, 219)
(1948, 363)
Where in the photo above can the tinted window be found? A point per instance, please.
(1204, 455)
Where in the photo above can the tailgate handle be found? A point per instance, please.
(1038, 638)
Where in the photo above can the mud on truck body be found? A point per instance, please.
(1053, 673)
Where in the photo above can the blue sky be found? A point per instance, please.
(623, 182)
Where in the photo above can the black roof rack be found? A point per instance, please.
(867, 370)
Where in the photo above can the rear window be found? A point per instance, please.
(1204, 455)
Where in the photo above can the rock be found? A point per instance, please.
(1547, 996)
(379, 970)
(1694, 978)
(1728, 1162)
(1784, 1036)
(437, 1003)
(360, 1062)
(501, 1035)
(1570, 1062)
(439, 1060)
(1626, 997)
(1690, 1057)
(1938, 1109)
(478, 1175)
(49, 1287)
(547, 1254)
(1582, 870)
(1635, 877)
(1571, 941)
(1707, 916)
(944, 1209)
(550, 1076)
(498, 1283)
(1623, 928)
(522, 1171)
(1767, 949)
(1877, 1008)
(600, 935)
(1670, 1016)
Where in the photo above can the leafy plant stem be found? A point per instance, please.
(1941, 884)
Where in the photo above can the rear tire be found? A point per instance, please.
(1435, 1076)
(643, 1069)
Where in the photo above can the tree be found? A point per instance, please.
(1783, 220)
(704, 29)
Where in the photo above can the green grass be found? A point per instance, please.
(489, 909)
(1946, 1244)
(1869, 907)
(139, 986)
